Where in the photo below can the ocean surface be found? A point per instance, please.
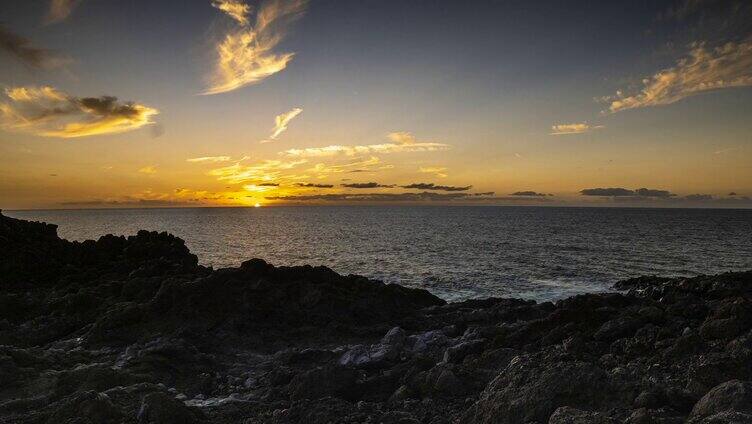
(456, 252)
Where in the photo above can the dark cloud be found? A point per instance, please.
(614, 191)
(49, 112)
(733, 194)
(268, 185)
(366, 185)
(481, 197)
(699, 197)
(529, 193)
(710, 20)
(314, 185)
(432, 186)
(107, 106)
(22, 49)
(374, 197)
(410, 197)
(646, 192)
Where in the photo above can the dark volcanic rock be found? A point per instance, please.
(133, 330)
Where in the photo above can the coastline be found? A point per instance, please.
(134, 330)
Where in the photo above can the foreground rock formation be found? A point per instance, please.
(133, 330)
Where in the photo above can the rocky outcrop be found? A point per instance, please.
(133, 330)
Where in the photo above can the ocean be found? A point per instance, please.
(456, 252)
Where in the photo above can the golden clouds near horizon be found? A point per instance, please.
(400, 142)
(48, 112)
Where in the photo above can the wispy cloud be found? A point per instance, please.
(400, 142)
(724, 151)
(48, 112)
(246, 55)
(267, 170)
(150, 170)
(529, 193)
(236, 9)
(439, 171)
(59, 10)
(280, 123)
(373, 197)
(313, 185)
(703, 70)
(212, 159)
(370, 164)
(21, 48)
(432, 186)
(366, 185)
(624, 192)
(578, 128)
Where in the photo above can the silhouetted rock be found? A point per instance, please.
(133, 330)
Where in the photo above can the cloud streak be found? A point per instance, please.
(48, 112)
(373, 197)
(366, 185)
(313, 185)
(21, 48)
(263, 171)
(432, 186)
(624, 192)
(578, 128)
(235, 9)
(280, 123)
(211, 159)
(400, 142)
(246, 55)
(703, 70)
(529, 193)
(439, 171)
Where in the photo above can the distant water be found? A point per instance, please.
(455, 252)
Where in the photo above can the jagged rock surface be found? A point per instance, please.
(133, 330)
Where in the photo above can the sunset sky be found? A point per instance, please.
(224, 102)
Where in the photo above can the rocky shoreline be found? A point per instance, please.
(133, 330)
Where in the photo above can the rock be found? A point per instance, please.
(567, 415)
(531, 388)
(649, 399)
(161, 408)
(458, 352)
(91, 406)
(129, 329)
(731, 396)
(325, 381)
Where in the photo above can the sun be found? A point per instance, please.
(257, 205)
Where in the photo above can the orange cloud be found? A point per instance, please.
(246, 55)
(702, 71)
(401, 142)
(280, 123)
(236, 9)
(48, 112)
(580, 128)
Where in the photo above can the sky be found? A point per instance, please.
(141, 103)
